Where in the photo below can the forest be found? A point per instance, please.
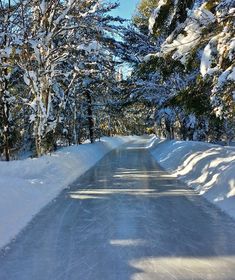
(71, 71)
(117, 139)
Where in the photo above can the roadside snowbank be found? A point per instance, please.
(209, 169)
(26, 186)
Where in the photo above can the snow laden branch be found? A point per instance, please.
(51, 26)
(194, 39)
(58, 69)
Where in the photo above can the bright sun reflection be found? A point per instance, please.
(83, 196)
(103, 193)
(128, 242)
(214, 268)
(147, 175)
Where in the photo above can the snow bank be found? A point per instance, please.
(209, 169)
(28, 185)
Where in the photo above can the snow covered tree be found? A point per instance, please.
(8, 52)
(190, 99)
(143, 13)
(58, 67)
(46, 49)
(207, 37)
(97, 53)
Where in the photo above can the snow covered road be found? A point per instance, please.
(125, 219)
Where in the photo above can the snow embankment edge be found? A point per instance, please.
(207, 168)
(29, 185)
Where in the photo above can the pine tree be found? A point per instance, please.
(8, 53)
(183, 36)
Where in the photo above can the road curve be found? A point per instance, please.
(125, 219)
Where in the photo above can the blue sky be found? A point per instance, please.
(126, 9)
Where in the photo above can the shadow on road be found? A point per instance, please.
(125, 219)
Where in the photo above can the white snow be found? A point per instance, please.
(27, 186)
(181, 46)
(26, 79)
(43, 7)
(150, 56)
(207, 58)
(155, 15)
(224, 77)
(209, 169)
(92, 47)
(231, 76)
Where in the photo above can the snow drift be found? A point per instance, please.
(28, 185)
(209, 169)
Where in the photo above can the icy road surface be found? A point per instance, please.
(125, 219)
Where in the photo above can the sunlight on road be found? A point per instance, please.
(145, 175)
(128, 242)
(104, 193)
(125, 219)
(136, 175)
(215, 268)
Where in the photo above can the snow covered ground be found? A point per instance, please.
(27, 186)
(210, 169)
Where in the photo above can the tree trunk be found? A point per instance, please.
(168, 130)
(75, 136)
(38, 145)
(90, 118)
(6, 134)
(6, 109)
(37, 133)
(5, 113)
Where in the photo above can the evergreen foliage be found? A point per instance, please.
(65, 72)
(58, 72)
(187, 77)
